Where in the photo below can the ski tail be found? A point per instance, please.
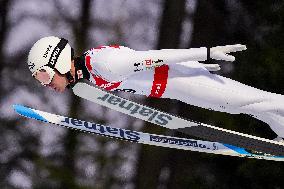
(141, 137)
(228, 138)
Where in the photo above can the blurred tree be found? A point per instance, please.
(151, 160)
(221, 23)
(257, 24)
(14, 156)
(80, 28)
(217, 23)
(4, 10)
(189, 169)
(67, 173)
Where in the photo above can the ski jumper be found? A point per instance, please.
(177, 74)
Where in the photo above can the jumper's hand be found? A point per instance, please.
(221, 52)
(212, 67)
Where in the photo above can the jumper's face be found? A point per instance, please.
(59, 82)
(52, 79)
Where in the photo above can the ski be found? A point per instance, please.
(197, 129)
(140, 137)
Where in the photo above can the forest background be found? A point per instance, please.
(38, 155)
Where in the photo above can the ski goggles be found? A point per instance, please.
(44, 75)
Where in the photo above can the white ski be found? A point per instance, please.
(140, 137)
(207, 132)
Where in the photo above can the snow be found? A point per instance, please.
(20, 180)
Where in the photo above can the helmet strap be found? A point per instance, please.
(70, 79)
(81, 72)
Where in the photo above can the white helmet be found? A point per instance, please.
(50, 51)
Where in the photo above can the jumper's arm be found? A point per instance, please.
(122, 63)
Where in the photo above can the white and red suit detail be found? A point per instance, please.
(177, 74)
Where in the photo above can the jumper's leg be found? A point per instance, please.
(199, 87)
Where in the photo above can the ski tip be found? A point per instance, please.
(27, 112)
(19, 108)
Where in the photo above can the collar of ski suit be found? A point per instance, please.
(81, 72)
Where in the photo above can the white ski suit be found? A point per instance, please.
(177, 74)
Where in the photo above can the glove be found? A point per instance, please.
(221, 52)
(212, 67)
